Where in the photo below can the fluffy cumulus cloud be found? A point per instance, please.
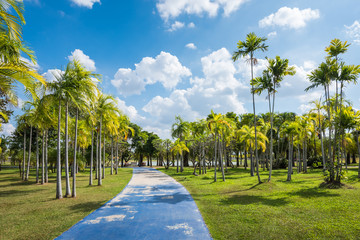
(84, 59)
(353, 32)
(164, 68)
(176, 26)
(7, 129)
(191, 46)
(174, 8)
(129, 111)
(52, 75)
(85, 3)
(290, 18)
(218, 90)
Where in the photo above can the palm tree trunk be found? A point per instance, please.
(58, 162)
(37, 156)
(358, 148)
(290, 161)
(46, 157)
(215, 177)
(24, 157)
(177, 162)
(43, 159)
(251, 161)
(117, 158)
(97, 156)
(91, 158)
(271, 135)
(182, 162)
(331, 160)
(221, 161)
(99, 162)
(112, 155)
(322, 143)
(67, 177)
(253, 98)
(103, 169)
(75, 147)
(29, 157)
(305, 158)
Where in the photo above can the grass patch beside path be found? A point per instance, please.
(239, 208)
(30, 210)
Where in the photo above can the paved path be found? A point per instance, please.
(152, 206)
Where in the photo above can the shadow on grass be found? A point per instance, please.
(313, 193)
(86, 207)
(252, 199)
(14, 193)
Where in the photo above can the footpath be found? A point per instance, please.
(152, 206)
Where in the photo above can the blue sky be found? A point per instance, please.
(161, 58)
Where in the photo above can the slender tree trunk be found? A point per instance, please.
(271, 136)
(215, 177)
(290, 160)
(221, 161)
(112, 156)
(58, 162)
(251, 161)
(37, 156)
(305, 158)
(97, 156)
(67, 177)
(99, 162)
(29, 157)
(117, 157)
(358, 148)
(91, 158)
(177, 162)
(253, 98)
(43, 159)
(24, 157)
(46, 157)
(104, 162)
(322, 143)
(75, 147)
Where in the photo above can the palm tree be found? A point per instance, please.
(180, 130)
(12, 67)
(179, 148)
(104, 104)
(278, 69)
(291, 129)
(322, 77)
(248, 47)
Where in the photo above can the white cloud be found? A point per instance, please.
(52, 74)
(353, 31)
(174, 8)
(176, 26)
(164, 68)
(86, 3)
(7, 129)
(191, 25)
(129, 111)
(290, 18)
(218, 90)
(190, 46)
(84, 59)
(272, 34)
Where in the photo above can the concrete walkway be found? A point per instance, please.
(152, 206)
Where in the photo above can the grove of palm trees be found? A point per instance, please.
(255, 175)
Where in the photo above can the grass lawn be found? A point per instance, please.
(30, 210)
(239, 208)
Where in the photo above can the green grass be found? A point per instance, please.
(239, 208)
(30, 210)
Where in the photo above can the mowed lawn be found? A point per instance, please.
(30, 210)
(239, 208)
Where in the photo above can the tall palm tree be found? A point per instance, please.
(104, 104)
(180, 130)
(252, 44)
(291, 129)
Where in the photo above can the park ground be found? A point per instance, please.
(238, 208)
